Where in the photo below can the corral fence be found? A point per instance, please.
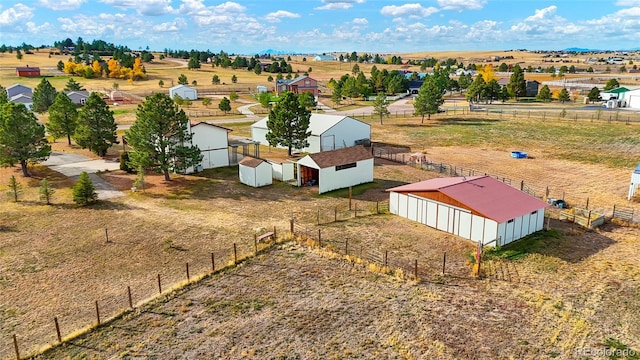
(547, 193)
(54, 329)
(598, 115)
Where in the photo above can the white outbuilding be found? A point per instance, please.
(336, 169)
(328, 132)
(213, 142)
(254, 172)
(635, 182)
(477, 208)
(184, 92)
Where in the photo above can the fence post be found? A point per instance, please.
(335, 214)
(274, 233)
(291, 226)
(188, 277)
(415, 269)
(319, 238)
(255, 242)
(444, 262)
(349, 197)
(130, 299)
(587, 207)
(106, 234)
(213, 262)
(15, 346)
(97, 312)
(386, 253)
(346, 246)
(235, 254)
(355, 210)
(159, 285)
(55, 320)
(318, 216)
(521, 185)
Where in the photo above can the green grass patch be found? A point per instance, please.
(520, 249)
(355, 190)
(123, 111)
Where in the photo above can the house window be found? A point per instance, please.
(510, 221)
(345, 166)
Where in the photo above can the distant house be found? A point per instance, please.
(78, 97)
(298, 85)
(336, 169)
(28, 71)
(255, 172)
(22, 99)
(18, 89)
(328, 132)
(213, 143)
(460, 72)
(323, 58)
(414, 86)
(261, 89)
(184, 92)
(478, 208)
(532, 87)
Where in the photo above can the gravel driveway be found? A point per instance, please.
(72, 165)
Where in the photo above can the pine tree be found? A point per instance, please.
(517, 85)
(544, 94)
(43, 96)
(73, 85)
(46, 191)
(15, 188)
(4, 97)
(63, 117)
(380, 106)
(563, 96)
(84, 192)
(429, 98)
(288, 123)
(225, 105)
(160, 137)
(96, 129)
(22, 137)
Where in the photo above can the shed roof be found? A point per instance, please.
(180, 86)
(342, 156)
(490, 197)
(212, 125)
(250, 162)
(318, 123)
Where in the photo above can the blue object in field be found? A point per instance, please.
(519, 154)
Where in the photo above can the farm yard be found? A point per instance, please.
(565, 293)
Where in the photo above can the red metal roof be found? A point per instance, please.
(490, 197)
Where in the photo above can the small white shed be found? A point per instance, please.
(477, 208)
(254, 172)
(328, 132)
(213, 143)
(635, 182)
(184, 92)
(336, 169)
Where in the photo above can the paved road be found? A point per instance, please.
(72, 165)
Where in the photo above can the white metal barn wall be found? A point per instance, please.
(461, 222)
(330, 179)
(635, 183)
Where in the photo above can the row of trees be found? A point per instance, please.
(84, 192)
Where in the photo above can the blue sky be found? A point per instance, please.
(317, 26)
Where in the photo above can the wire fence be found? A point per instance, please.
(54, 328)
(548, 193)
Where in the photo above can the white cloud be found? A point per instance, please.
(411, 10)
(278, 15)
(171, 26)
(628, 3)
(142, 7)
(360, 21)
(338, 4)
(61, 4)
(15, 15)
(461, 4)
(542, 14)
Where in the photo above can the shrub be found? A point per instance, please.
(124, 162)
(84, 193)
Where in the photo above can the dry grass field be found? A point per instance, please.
(559, 295)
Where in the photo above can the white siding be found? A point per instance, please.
(345, 133)
(330, 179)
(255, 177)
(259, 134)
(213, 144)
(282, 171)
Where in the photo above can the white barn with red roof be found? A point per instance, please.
(478, 208)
